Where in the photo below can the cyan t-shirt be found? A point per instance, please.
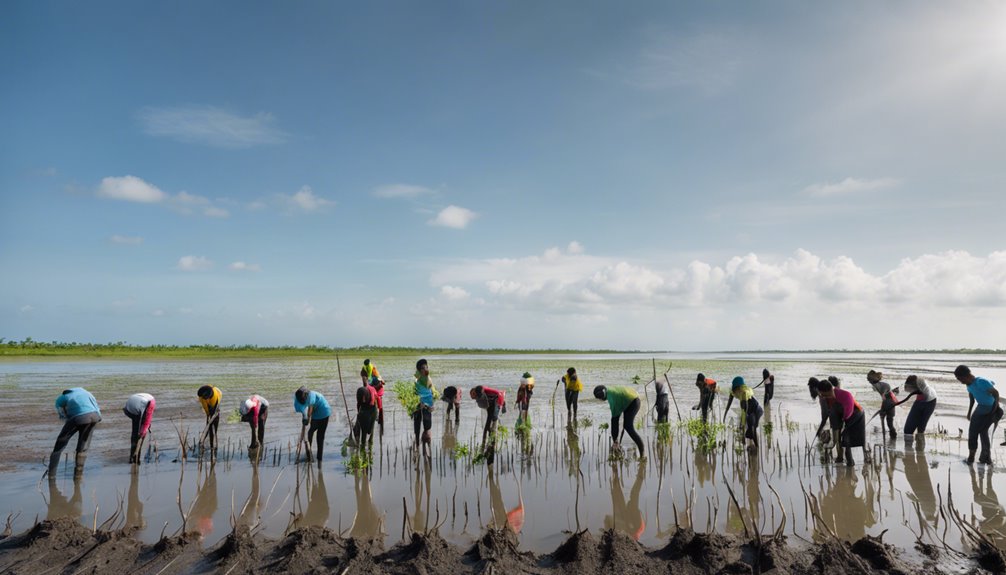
(315, 400)
(78, 402)
(981, 390)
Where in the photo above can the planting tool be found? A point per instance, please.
(882, 410)
(671, 390)
(760, 384)
(349, 419)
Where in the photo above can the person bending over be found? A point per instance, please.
(623, 402)
(491, 400)
(254, 411)
(848, 421)
(751, 412)
(209, 399)
(139, 409)
(315, 411)
(79, 410)
(983, 392)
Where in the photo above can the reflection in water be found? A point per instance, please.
(134, 507)
(993, 519)
(705, 467)
(841, 508)
(917, 474)
(60, 506)
(249, 516)
(368, 523)
(626, 517)
(318, 510)
(514, 519)
(450, 435)
(205, 504)
(420, 517)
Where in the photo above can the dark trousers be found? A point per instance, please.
(572, 397)
(769, 392)
(318, 426)
(365, 420)
(918, 416)
(628, 420)
(82, 425)
(979, 430)
(134, 436)
(214, 426)
(887, 414)
(663, 408)
(706, 399)
(423, 416)
(258, 435)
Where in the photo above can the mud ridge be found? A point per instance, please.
(65, 546)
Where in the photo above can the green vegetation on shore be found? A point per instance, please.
(31, 348)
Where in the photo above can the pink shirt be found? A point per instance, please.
(847, 401)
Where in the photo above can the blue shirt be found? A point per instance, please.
(315, 400)
(981, 391)
(78, 402)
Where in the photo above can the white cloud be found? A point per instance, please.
(157, 313)
(130, 189)
(126, 240)
(27, 308)
(304, 200)
(211, 126)
(133, 189)
(453, 217)
(402, 191)
(194, 264)
(580, 283)
(244, 267)
(574, 247)
(850, 186)
(454, 293)
(215, 212)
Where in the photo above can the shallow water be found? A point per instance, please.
(565, 484)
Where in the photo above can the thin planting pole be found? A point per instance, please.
(349, 419)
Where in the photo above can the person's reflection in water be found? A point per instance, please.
(993, 522)
(753, 487)
(420, 516)
(205, 505)
(626, 517)
(368, 522)
(917, 474)
(497, 505)
(60, 506)
(450, 439)
(134, 507)
(841, 507)
(318, 510)
(250, 510)
(573, 453)
(705, 467)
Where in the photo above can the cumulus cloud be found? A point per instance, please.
(305, 200)
(453, 217)
(453, 292)
(850, 186)
(126, 240)
(27, 308)
(133, 189)
(402, 191)
(574, 282)
(211, 126)
(194, 264)
(244, 267)
(130, 189)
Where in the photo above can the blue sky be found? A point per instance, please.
(660, 175)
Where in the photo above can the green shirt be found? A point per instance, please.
(619, 398)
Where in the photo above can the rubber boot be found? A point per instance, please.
(985, 458)
(78, 465)
(848, 457)
(53, 463)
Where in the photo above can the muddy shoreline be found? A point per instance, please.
(66, 546)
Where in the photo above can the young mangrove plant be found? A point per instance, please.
(359, 462)
(461, 451)
(664, 432)
(585, 422)
(405, 391)
(705, 435)
(523, 430)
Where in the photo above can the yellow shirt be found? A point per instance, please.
(743, 393)
(574, 385)
(212, 402)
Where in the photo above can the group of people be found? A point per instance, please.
(838, 406)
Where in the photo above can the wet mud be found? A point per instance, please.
(64, 546)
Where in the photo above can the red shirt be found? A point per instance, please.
(494, 395)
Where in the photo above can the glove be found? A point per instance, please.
(303, 422)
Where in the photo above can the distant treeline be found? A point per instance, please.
(30, 347)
